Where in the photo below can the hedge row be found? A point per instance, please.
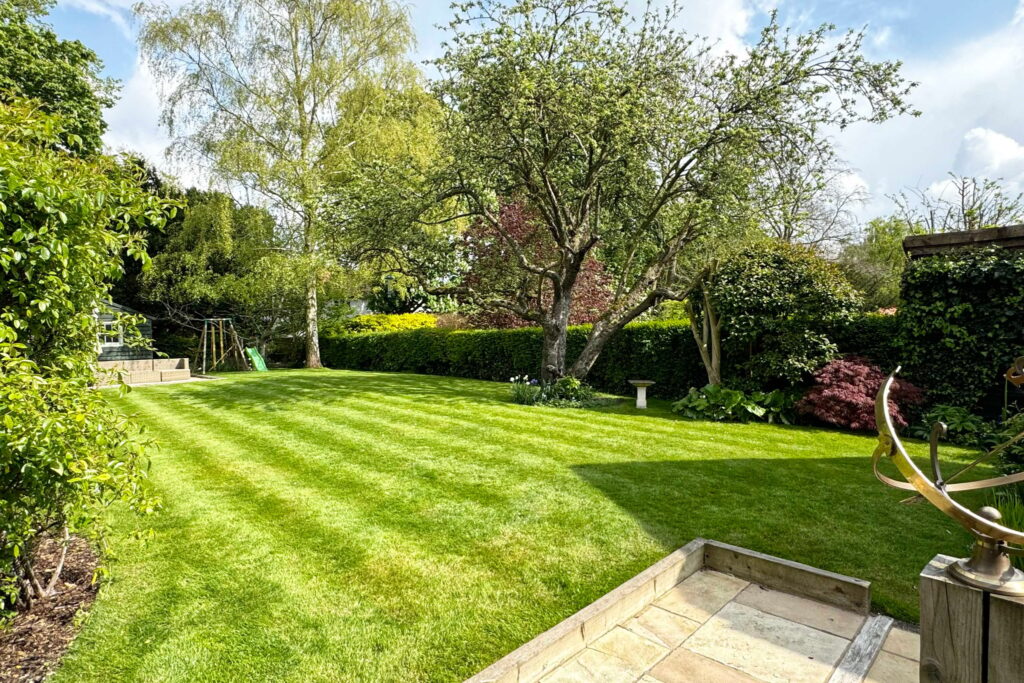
(960, 326)
(663, 351)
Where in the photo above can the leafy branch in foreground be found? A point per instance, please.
(65, 221)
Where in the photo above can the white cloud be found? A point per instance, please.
(119, 13)
(967, 97)
(724, 22)
(990, 154)
(133, 123)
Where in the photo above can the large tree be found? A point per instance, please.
(809, 200)
(63, 76)
(222, 260)
(630, 140)
(263, 91)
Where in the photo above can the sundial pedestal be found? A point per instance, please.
(989, 568)
(968, 635)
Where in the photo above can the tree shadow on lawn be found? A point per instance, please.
(826, 512)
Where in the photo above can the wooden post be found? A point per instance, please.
(951, 626)
(203, 342)
(967, 634)
(1005, 639)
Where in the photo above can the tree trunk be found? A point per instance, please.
(708, 337)
(556, 329)
(55, 576)
(599, 336)
(312, 327)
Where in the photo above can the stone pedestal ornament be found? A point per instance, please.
(641, 391)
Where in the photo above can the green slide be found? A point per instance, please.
(257, 360)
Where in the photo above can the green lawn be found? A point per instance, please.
(331, 525)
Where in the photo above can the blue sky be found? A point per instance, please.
(968, 57)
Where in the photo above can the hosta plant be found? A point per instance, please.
(715, 402)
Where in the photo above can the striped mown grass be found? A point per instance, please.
(333, 525)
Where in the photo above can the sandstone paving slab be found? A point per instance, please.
(661, 626)
(683, 666)
(701, 595)
(890, 668)
(592, 666)
(637, 651)
(819, 615)
(767, 647)
(903, 643)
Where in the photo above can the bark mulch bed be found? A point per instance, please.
(31, 647)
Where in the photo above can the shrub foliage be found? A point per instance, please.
(844, 395)
(778, 304)
(382, 322)
(961, 324)
(715, 402)
(64, 223)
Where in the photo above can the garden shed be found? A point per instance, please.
(111, 341)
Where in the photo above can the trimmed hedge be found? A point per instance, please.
(660, 350)
(383, 322)
(873, 336)
(663, 351)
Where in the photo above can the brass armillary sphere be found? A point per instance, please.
(989, 566)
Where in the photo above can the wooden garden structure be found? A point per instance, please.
(1008, 237)
(220, 346)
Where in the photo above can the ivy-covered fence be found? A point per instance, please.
(962, 324)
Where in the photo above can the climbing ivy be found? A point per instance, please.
(962, 324)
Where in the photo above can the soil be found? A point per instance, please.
(32, 645)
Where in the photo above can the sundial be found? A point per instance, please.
(989, 566)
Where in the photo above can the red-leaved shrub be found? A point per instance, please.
(844, 395)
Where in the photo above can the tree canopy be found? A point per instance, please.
(63, 76)
(269, 94)
(629, 140)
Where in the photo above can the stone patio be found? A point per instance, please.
(716, 627)
(711, 612)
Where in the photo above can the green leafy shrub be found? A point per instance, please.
(962, 426)
(715, 402)
(564, 392)
(660, 351)
(961, 324)
(871, 335)
(1013, 455)
(778, 303)
(65, 222)
(381, 322)
(65, 454)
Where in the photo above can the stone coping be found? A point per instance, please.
(558, 644)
